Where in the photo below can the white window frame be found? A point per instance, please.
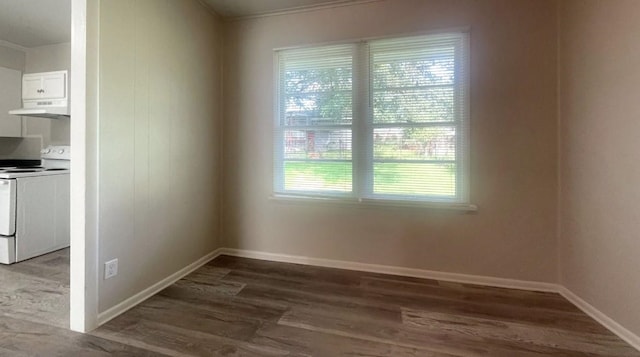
(362, 136)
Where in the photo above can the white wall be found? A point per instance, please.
(48, 58)
(16, 148)
(513, 144)
(11, 58)
(600, 160)
(159, 140)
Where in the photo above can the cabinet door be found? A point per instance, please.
(53, 86)
(35, 216)
(42, 215)
(32, 87)
(10, 83)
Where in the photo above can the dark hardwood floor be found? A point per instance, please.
(243, 307)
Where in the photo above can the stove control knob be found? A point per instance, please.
(61, 151)
(45, 151)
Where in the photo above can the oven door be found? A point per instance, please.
(7, 207)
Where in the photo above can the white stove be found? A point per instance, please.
(34, 206)
(55, 161)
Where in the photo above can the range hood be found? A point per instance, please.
(44, 95)
(49, 112)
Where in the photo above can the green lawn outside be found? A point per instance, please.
(330, 176)
(389, 178)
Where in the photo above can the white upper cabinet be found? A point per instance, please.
(10, 83)
(31, 87)
(48, 85)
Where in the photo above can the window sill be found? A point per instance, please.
(366, 202)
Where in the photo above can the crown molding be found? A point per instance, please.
(300, 9)
(12, 45)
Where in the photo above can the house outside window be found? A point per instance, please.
(382, 120)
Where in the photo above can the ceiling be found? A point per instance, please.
(237, 8)
(32, 23)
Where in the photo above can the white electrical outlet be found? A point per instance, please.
(111, 268)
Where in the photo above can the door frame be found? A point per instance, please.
(85, 17)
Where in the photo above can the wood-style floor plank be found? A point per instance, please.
(37, 289)
(551, 337)
(370, 307)
(256, 308)
(19, 337)
(387, 303)
(320, 344)
(243, 307)
(448, 339)
(184, 315)
(178, 341)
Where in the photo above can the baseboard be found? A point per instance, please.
(127, 304)
(602, 318)
(395, 270)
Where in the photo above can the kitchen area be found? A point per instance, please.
(35, 61)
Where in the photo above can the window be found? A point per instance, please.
(376, 120)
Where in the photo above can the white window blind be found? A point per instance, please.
(314, 128)
(379, 120)
(419, 119)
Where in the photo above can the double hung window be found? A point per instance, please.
(374, 120)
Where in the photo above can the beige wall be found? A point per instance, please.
(513, 144)
(159, 140)
(600, 166)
